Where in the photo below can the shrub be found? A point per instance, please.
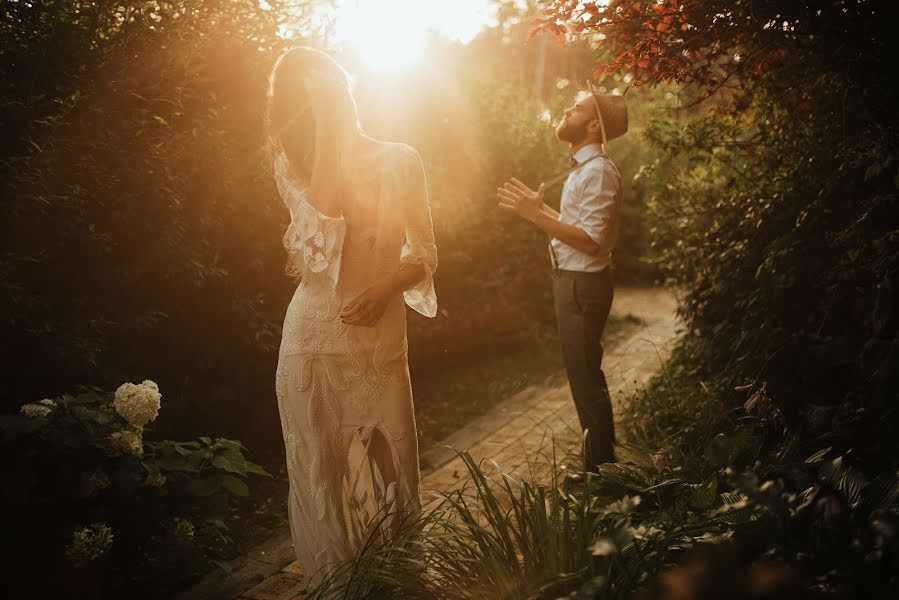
(88, 491)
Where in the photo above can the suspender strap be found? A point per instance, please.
(562, 176)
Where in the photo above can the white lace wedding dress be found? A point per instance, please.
(343, 391)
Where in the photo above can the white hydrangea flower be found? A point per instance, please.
(35, 411)
(127, 441)
(155, 480)
(603, 546)
(138, 403)
(183, 530)
(89, 543)
(625, 505)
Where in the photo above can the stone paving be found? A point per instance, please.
(527, 430)
(518, 434)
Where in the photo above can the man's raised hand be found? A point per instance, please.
(519, 198)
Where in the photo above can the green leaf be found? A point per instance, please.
(818, 456)
(196, 458)
(229, 463)
(873, 170)
(15, 426)
(205, 486)
(718, 452)
(172, 462)
(257, 469)
(844, 478)
(880, 494)
(629, 453)
(704, 495)
(236, 486)
(217, 523)
(224, 566)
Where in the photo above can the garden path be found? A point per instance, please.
(518, 434)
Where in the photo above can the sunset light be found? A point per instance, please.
(449, 299)
(390, 34)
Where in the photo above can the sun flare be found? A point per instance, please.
(390, 34)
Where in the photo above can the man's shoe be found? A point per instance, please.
(575, 477)
(571, 474)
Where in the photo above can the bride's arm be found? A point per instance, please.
(324, 184)
(323, 188)
(420, 250)
(366, 309)
(415, 276)
(405, 278)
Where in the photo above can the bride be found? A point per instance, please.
(361, 240)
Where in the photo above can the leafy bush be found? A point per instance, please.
(771, 253)
(90, 493)
(141, 229)
(503, 537)
(749, 487)
(825, 502)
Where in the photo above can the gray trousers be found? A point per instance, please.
(582, 304)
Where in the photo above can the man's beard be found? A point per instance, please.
(572, 134)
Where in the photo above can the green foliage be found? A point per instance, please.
(142, 228)
(728, 480)
(774, 207)
(152, 512)
(500, 536)
(823, 506)
(752, 216)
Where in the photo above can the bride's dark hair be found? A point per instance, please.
(290, 119)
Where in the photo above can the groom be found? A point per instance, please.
(582, 235)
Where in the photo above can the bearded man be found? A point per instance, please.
(583, 235)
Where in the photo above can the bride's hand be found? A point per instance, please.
(323, 90)
(368, 307)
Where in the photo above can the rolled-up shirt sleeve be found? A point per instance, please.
(598, 209)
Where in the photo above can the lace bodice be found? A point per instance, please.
(390, 217)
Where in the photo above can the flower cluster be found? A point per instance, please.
(312, 253)
(138, 403)
(128, 442)
(89, 543)
(35, 411)
(183, 531)
(155, 480)
(38, 410)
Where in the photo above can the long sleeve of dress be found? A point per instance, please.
(314, 240)
(419, 247)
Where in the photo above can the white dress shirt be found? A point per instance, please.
(591, 199)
